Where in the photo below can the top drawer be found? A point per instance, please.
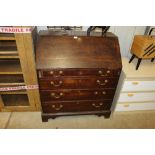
(78, 72)
(138, 86)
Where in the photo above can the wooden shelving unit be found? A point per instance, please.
(7, 36)
(17, 68)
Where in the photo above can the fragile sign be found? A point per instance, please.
(28, 87)
(15, 30)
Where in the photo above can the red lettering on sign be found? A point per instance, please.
(15, 30)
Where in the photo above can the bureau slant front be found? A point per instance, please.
(77, 75)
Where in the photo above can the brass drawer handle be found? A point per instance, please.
(96, 93)
(97, 106)
(126, 105)
(135, 83)
(102, 84)
(51, 72)
(60, 72)
(56, 85)
(130, 95)
(57, 108)
(57, 96)
(101, 73)
(103, 92)
(108, 71)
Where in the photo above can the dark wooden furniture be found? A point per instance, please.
(77, 75)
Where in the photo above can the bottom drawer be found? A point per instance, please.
(135, 106)
(75, 106)
(137, 97)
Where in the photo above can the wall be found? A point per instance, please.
(124, 33)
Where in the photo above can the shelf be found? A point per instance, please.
(10, 67)
(14, 92)
(11, 81)
(9, 55)
(5, 79)
(7, 36)
(8, 50)
(15, 100)
(5, 43)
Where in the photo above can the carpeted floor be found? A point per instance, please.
(119, 120)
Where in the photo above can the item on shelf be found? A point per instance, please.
(64, 28)
(92, 28)
(77, 75)
(143, 47)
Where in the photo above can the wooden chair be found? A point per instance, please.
(143, 47)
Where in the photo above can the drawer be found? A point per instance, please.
(77, 82)
(135, 106)
(79, 72)
(137, 97)
(76, 106)
(64, 94)
(138, 86)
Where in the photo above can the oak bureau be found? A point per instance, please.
(77, 75)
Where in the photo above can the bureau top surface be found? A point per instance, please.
(78, 52)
